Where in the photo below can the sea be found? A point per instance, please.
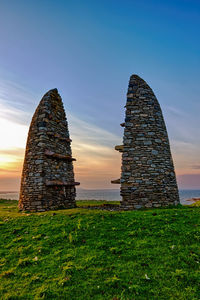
(108, 195)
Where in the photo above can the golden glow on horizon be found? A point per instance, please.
(12, 135)
(96, 164)
(186, 158)
(97, 161)
(12, 142)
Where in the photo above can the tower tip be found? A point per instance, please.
(136, 80)
(52, 92)
(134, 76)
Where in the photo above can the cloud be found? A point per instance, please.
(176, 111)
(182, 126)
(7, 171)
(17, 152)
(15, 94)
(184, 138)
(90, 133)
(196, 167)
(11, 184)
(97, 161)
(13, 135)
(189, 181)
(93, 147)
(16, 103)
(185, 156)
(14, 115)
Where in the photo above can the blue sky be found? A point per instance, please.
(88, 50)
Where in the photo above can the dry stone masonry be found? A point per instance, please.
(48, 177)
(147, 175)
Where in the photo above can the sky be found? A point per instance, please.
(88, 50)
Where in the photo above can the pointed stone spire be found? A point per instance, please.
(147, 178)
(48, 178)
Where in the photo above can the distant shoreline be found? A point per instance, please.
(187, 197)
(83, 189)
(193, 199)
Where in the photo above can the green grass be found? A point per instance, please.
(197, 203)
(94, 254)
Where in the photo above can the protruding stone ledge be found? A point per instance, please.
(58, 136)
(126, 184)
(119, 148)
(59, 156)
(115, 181)
(60, 183)
(122, 124)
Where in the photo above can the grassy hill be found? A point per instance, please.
(95, 254)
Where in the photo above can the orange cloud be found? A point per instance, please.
(93, 147)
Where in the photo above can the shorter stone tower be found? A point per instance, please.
(147, 177)
(48, 178)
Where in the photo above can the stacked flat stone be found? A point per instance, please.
(147, 175)
(47, 181)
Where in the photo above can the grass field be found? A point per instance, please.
(94, 254)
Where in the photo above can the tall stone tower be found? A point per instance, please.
(147, 175)
(48, 178)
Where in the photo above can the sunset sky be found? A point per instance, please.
(88, 49)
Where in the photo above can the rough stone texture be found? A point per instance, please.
(48, 177)
(147, 177)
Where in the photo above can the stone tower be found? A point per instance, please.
(48, 178)
(147, 174)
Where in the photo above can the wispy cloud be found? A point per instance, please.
(176, 111)
(93, 147)
(21, 96)
(91, 135)
(97, 161)
(184, 138)
(182, 126)
(13, 152)
(185, 156)
(196, 167)
(16, 102)
(13, 114)
(189, 181)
